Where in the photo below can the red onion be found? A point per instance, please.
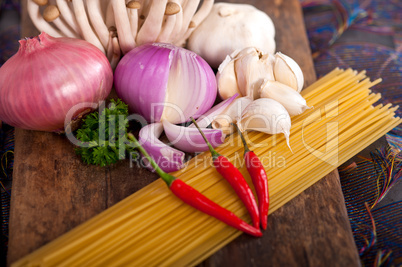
(164, 82)
(48, 77)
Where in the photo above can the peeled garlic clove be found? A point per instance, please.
(293, 102)
(266, 115)
(288, 72)
(231, 114)
(226, 79)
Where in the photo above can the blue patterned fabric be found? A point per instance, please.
(366, 35)
(9, 36)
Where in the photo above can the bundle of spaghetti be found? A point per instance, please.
(152, 227)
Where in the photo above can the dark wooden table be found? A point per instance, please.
(53, 191)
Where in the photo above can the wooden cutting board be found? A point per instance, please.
(53, 191)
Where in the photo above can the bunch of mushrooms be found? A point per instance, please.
(117, 26)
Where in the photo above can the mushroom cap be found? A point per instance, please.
(50, 13)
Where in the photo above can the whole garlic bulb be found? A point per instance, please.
(246, 70)
(229, 27)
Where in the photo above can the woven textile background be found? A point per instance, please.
(361, 34)
(366, 35)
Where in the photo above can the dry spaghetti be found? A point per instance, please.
(152, 227)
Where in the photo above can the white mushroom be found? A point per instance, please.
(188, 12)
(52, 14)
(152, 25)
(126, 38)
(82, 19)
(37, 19)
(132, 10)
(116, 52)
(99, 25)
(229, 27)
(136, 21)
(179, 17)
(172, 9)
(68, 15)
(198, 17)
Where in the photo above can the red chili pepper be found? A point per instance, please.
(194, 198)
(235, 179)
(197, 200)
(260, 181)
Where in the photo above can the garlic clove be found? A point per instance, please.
(226, 79)
(231, 114)
(243, 72)
(288, 72)
(266, 115)
(293, 102)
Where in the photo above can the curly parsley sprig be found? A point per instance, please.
(103, 137)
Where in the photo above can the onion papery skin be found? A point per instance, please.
(162, 81)
(168, 158)
(47, 78)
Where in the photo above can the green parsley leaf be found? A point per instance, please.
(103, 137)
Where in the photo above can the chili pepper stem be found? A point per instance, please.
(246, 149)
(165, 176)
(211, 149)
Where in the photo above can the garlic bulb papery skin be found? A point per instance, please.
(244, 71)
(288, 72)
(266, 115)
(229, 27)
(293, 102)
(231, 114)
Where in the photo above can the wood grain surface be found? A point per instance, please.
(53, 191)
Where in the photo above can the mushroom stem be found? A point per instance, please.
(188, 12)
(116, 52)
(95, 16)
(68, 16)
(52, 14)
(198, 17)
(39, 22)
(143, 11)
(109, 19)
(82, 19)
(109, 48)
(176, 27)
(153, 22)
(126, 38)
(132, 10)
(168, 26)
